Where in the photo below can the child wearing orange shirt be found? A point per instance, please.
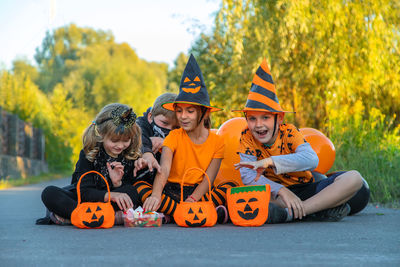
(193, 145)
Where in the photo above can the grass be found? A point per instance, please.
(12, 182)
(381, 173)
(371, 147)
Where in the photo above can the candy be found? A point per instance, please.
(140, 218)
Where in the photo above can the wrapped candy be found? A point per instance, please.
(140, 218)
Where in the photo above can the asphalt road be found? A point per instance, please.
(370, 238)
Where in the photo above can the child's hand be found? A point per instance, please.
(116, 171)
(151, 161)
(140, 163)
(190, 199)
(255, 165)
(292, 202)
(123, 200)
(258, 166)
(152, 203)
(157, 143)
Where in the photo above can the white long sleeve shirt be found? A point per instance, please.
(304, 159)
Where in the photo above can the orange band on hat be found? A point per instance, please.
(269, 86)
(265, 100)
(264, 66)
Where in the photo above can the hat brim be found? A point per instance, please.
(170, 105)
(261, 110)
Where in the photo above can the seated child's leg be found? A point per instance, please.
(168, 204)
(219, 193)
(144, 190)
(340, 191)
(219, 200)
(360, 200)
(59, 201)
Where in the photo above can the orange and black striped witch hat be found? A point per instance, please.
(262, 95)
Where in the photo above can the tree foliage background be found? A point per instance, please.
(78, 71)
(336, 63)
(323, 56)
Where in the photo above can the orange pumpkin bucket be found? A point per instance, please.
(248, 205)
(195, 214)
(93, 214)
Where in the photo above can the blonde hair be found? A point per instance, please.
(104, 127)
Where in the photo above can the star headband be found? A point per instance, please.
(122, 118)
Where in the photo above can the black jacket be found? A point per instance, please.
(93, 187)
(147, 132)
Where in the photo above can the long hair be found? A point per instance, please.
(207, 120)
(103, 126)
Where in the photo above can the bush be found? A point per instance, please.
(371, 146)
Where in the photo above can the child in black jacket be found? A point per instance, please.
(156, 123)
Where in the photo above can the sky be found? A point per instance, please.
(157, 30)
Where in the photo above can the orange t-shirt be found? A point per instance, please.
(187, 154)
(289, 138)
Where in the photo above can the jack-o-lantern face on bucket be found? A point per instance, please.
(92, 220)
(191, 86)
(248, 205)
(93, 214)
(247, 212)
(195, 214)
(198, 218)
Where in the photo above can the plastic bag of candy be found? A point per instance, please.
(140, 218)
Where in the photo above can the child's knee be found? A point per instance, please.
(47, 193)
(355, 178)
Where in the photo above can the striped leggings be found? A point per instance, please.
(171, 195)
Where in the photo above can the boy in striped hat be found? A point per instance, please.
(277, 154)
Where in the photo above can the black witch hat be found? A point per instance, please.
(192, 89)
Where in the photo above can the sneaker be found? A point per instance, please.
(276, 214)
(222, 214)
(332, 215)
(45, 220)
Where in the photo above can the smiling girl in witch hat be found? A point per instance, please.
(193, 145)
(277, 154)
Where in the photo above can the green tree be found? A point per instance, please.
(62, 46)
(20, 96)
(65, 131)
(22, 66)
(175, 74)
(114, 73)
(322, 56)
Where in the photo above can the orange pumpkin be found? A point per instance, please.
(248, 205)
(195, 214)
(93, 214)
(190, 86)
